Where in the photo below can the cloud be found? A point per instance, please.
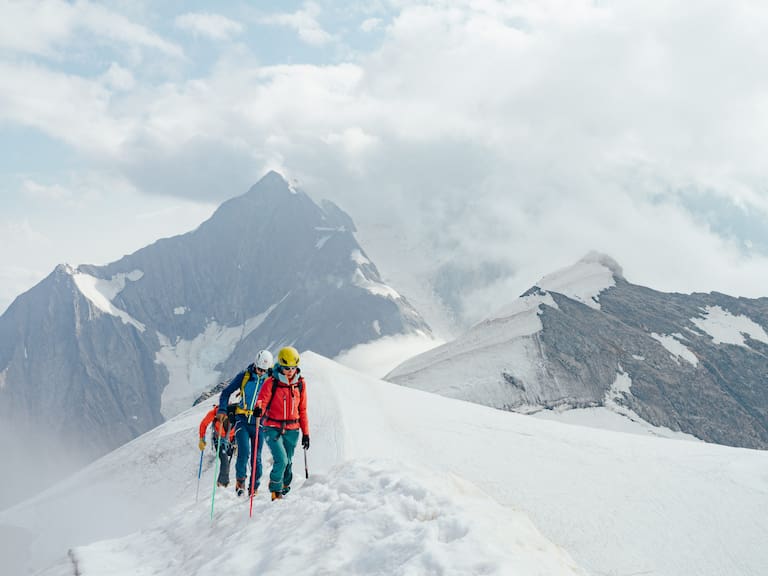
(119, 78)
(42, 28)
(15, 280)
(45, 192)
(19, 236)
(213, 26)
(86, 217)
(521, 135)
(71, 108)
(370, 24)
(304, 21)
(21, 231)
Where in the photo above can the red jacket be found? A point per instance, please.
(217, 425)
(288, 408)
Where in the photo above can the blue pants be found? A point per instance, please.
(244, 436)
(282, 445)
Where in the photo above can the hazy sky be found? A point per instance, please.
(480, 144)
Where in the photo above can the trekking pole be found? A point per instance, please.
(253, 463)
(306, 469)
(215, 475)
(199, 473)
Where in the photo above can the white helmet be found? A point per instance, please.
(264, 360)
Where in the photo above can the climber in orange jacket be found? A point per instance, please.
(219, 432)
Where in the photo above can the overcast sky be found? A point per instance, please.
(480, 144)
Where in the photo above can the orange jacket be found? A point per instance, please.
(288, 408)
(217, 425)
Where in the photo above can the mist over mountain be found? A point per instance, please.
(585, 337)
(101, 354)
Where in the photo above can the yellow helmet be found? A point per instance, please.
(288, 356)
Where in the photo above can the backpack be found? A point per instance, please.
(228, 424)
(231, 411)
(275, 384)
(246, 377)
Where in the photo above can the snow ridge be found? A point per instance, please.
(403, 482)
(382, 518)
(584, 280)
(101, 293)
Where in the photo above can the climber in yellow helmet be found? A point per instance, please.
(283, 404)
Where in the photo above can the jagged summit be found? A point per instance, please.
(275, 182)
(64, 268)
(267, 198)
(271, 178)
(272, 183)
(582, 281)
(606, 261)
(585, 280)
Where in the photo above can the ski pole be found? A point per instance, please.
(306, 469)
(199, 473)
(216, 474)
(253, 463)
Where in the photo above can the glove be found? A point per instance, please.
(305, 441)
(201, 444)
(257, 411)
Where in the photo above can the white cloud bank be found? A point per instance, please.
(42, 28)
(304, 22)
(520, 134)
(213, 26)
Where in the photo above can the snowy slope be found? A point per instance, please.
(363, 517)
(405, 482)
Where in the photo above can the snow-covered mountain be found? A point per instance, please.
(585, 338)
(101, 354)
(406, 482)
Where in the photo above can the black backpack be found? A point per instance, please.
(229, 421)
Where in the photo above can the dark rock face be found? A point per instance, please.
(271, 263)
(80, 375)
(724, 398)
(715, 391)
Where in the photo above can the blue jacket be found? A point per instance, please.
(249, 392)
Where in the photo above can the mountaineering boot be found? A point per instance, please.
(240, 486)
(222, 484)
(277, 495)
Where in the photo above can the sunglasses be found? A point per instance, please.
(287, 368)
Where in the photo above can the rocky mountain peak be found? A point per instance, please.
(584, 337)
(131, 342)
